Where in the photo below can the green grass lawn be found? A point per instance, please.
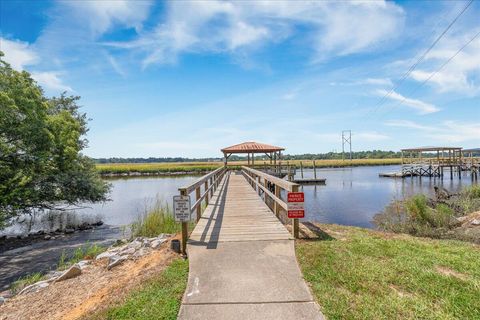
(157, 299)
(361, 274)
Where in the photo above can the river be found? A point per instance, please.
(351, 196)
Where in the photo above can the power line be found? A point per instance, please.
(413, 66)
(439, 69)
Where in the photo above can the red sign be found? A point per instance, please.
(296, 197)
(295, 205)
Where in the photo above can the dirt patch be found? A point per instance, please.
(401, 293)
(449, 272)
(93, 291)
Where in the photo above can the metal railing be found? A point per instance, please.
(209, 182)
(272, 189)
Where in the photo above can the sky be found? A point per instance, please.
(181, 78)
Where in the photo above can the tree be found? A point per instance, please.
(41, 139)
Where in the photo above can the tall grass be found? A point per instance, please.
(154, 221)
(25, 281)
(86, 252)
(422, 216)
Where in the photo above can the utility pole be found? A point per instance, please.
(346, 140)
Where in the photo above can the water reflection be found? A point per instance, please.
(352, 196)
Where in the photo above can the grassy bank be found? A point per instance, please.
(200, 167)
(362, 274)
(159, 298)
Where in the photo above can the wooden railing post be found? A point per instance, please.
(295, 222)
(276, 206)
(206, 192)
(184, 229)
(258, 181)
(199, 207)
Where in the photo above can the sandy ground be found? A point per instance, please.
(92, 291)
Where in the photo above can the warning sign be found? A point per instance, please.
(181, 208)
(296, 208)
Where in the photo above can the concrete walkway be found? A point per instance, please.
(242, 262)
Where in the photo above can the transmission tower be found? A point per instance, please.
(346, 140)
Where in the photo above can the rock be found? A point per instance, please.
(83, 264)
(157, 243)
(52, 275)
(137, 244)
(35, 287)
(47, 237)
(115, 261)
(127, 251)
(475, 222)
(2, 300)
(141, 252)
(72, 272)
(106, 254)
(69, 231)
(53, 238)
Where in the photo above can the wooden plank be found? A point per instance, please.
(237, 213)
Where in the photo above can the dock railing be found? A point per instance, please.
(204, 188)
(262, 181)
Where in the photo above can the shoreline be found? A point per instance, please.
(157, 171)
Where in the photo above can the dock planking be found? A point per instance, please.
(242, 261)
(237, 213)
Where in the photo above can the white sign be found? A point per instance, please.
(296, 206)
(181, 208)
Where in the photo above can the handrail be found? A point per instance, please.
(254, 177)
(286, 185)
(188, 189)
(210, 182)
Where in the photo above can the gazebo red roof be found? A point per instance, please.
(252, 147)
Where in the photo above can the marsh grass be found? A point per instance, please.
(86, 252)
(154, 221)
(201, 167)
(25, 281)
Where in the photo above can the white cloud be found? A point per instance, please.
(115, 66)
(446, 131)
(51, 80)
(102, 15)
(379, 81)
(420, 106)
(461, 74)
(336, 28)
(19, 54)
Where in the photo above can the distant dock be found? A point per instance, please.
(309, 181)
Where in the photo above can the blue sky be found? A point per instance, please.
(188, 78)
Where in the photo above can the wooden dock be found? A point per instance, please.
(242, 261)
(309, 181)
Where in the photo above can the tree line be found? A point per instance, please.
(374, 154)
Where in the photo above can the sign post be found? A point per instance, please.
(183, 213)
(296, 208)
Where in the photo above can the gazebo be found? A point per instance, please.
(251, 148)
